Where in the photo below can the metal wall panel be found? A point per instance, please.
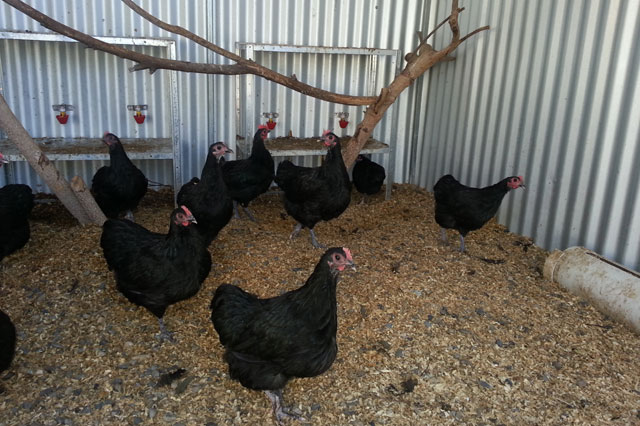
(552, 93)
(339, 23)
(32, 64)
(207, 110)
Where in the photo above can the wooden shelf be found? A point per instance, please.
(291, 147)
(75, 149)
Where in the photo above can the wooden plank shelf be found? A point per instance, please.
(292, 147)
(77, 149)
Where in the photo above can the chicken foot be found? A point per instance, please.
(296, 231)
(314, 241)
(279, 410)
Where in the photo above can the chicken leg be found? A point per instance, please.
(461, 243)
(249, 214)
(279, 410)
(314, 241)
(164, 333)
(235, 210)
(296, 231)
(443, 235)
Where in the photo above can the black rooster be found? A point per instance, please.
(16, 203)
(368, 176)
(269, 341)
(208, 197)
(7, 341)
(156, 270)
(248, 178)
(312, 194)
(466, 209)
(119, 187)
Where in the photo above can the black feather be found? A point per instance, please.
(368, 176)
(312, 194)
(7, 341)
(269, 341)
(120, 186)
(16, 203)
(464, 208)
(208, 197)
(155, 270)
(250, 177)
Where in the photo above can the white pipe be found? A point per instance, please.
(612, 288)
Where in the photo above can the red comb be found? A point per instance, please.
(186, 210)
(348, 253)
(263, 126)
(521, 178)
(326, 132)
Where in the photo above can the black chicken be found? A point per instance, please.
(119, 187)
(156, 270)
(466, 209)
(208, 197)
(248, 178)
(312, 194)
(269, 341)
(368, 176)
(7, 341)
(16, 203)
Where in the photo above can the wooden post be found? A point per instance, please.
(87, 201)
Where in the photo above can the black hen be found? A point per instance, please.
(269, 341)
(156, 270)
(16, 203)
(466, 209)
(119, 187)
(368, 176)
(248, 178)
(312, 194)
(7, 341)
(207, 197)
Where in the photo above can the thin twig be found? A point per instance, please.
(474, 32)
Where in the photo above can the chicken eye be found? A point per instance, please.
(337, 257)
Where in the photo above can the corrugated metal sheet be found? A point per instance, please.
(39, 74)
(208, 102)
(339, 23)
(551, 92)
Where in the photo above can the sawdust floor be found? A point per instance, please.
(426, 335)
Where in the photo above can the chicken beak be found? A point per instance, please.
(352, 265)
(3, 161)
(522, 185)
(229, 151)
(192, 219)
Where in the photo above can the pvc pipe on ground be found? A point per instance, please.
(612, 288)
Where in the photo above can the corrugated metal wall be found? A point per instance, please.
(551, 92)
(208, 107)
(38, 74)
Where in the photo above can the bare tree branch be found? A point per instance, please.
(418, 63)
(251, 66)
